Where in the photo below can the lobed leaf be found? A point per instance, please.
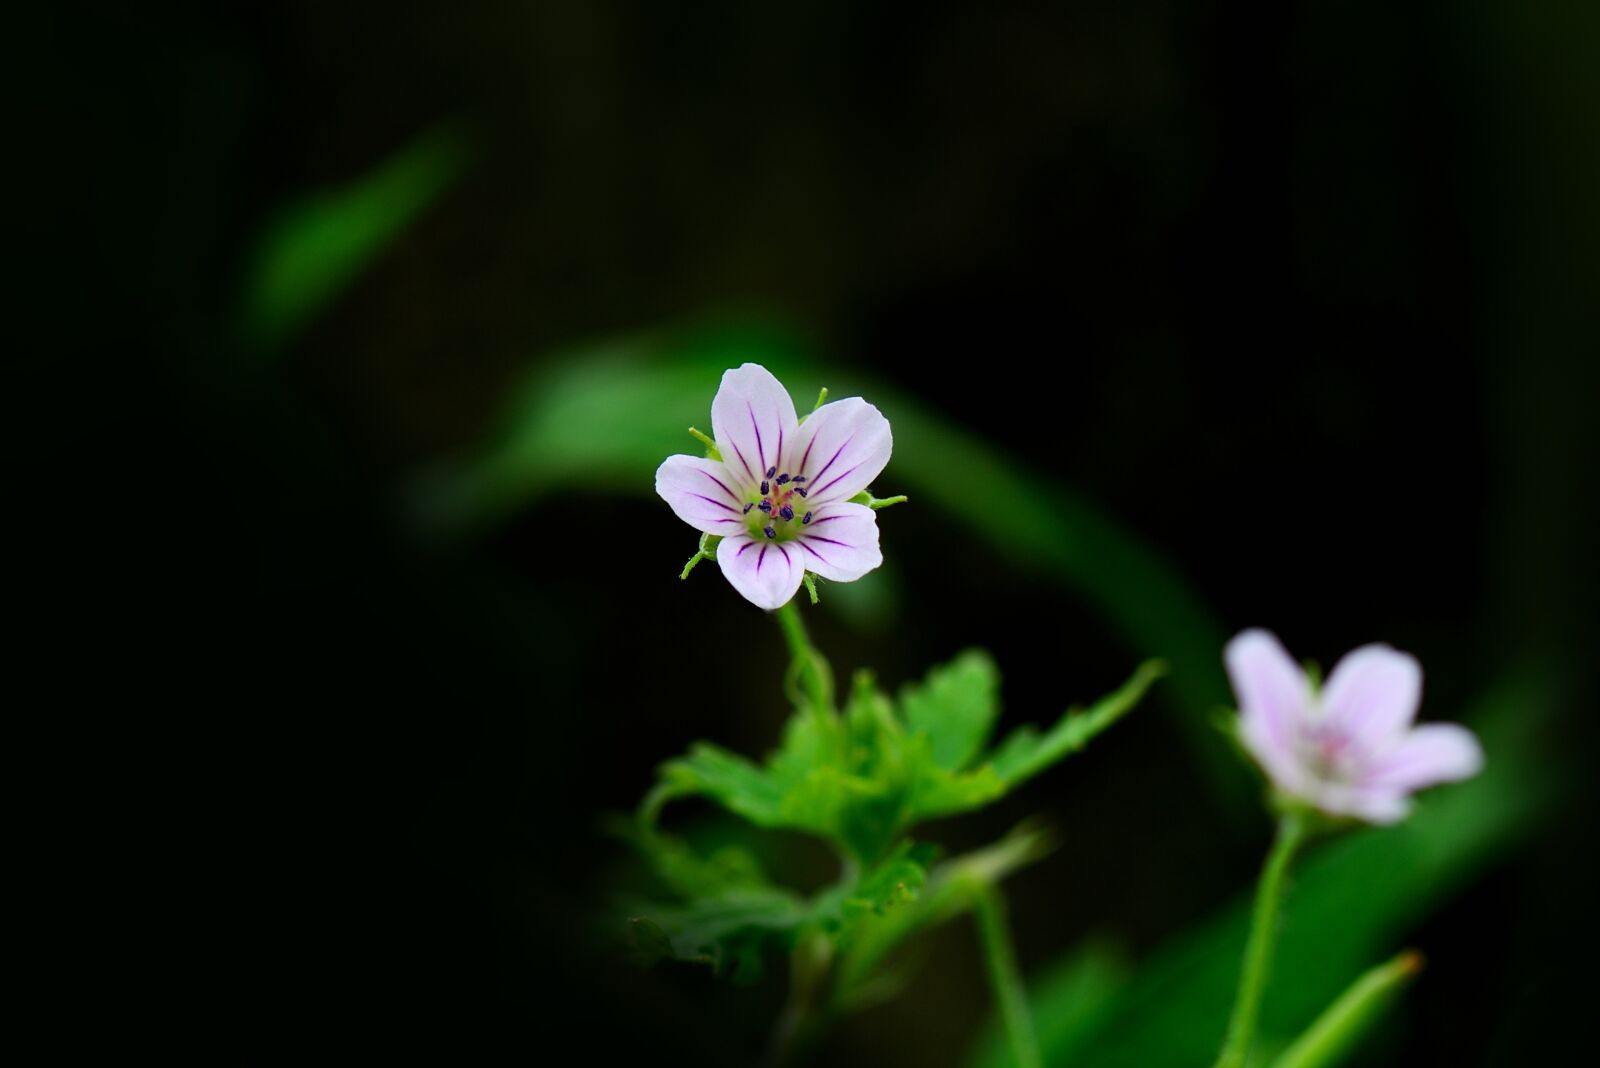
(956, 707)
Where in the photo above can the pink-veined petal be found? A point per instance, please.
(701, 493)
(840, 542)
(842, 447)
(1427, 755)
(753, 420)
(764, 572)
(1372, 695)
(1273, 695)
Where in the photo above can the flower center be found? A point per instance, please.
(1329, 753)
(780, 510)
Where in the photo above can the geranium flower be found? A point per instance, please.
(1348, 749)
(780, 494)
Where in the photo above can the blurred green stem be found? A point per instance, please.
(1263, 935)
(1006, 979)
(808, 664)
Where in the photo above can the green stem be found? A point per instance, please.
(1263, 936)
(1006, 979)
(812, 668)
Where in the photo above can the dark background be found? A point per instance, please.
(1301, 292)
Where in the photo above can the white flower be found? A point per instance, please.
(1349, 749)
(779, 496)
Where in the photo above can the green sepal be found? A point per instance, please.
(865, 497)
(712, 452)
(707, 550)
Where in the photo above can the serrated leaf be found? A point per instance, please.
(955, 706)
(942, 793)
(730, 931)
(729, 779)
(1025, 753)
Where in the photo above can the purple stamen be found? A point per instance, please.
(765, 505)
(782, 479)
(771, 471)
(806, 520)
(799, 479)
(749, 506)
(800, 490)
(769, 532)
(786, 512)
(765, 488)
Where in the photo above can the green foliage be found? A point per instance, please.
(860, 779)
(316, 247)
(1330, 1040)
(864, 779)
(956, 708)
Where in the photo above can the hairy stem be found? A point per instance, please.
(1263, 936)
(811, 668)
(1009, 993)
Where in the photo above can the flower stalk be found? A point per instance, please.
(1006, 978)
(1263, 937)
(806, 664)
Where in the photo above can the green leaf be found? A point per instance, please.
(955, 707)
(863, 780)
(730, 931)
(896, 881)
(316, 247)
(1335, 1034)
(727, 778)
(1025, 753)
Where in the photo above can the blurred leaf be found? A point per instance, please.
(1347, 904)
(894, 883)
(685, 872)
(730, 931)
(955, 707)
(316, 247)
(1335, 1034)
(951, 889)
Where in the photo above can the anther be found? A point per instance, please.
(765, 488)
(806, 520)
(765, 505)
(799, 479)
(800, 490)
(782, 479)
(769, 532)
(771, 471)
(786, 512)
(749, 506)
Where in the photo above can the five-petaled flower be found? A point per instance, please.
(1348, 749)
(780, 495)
